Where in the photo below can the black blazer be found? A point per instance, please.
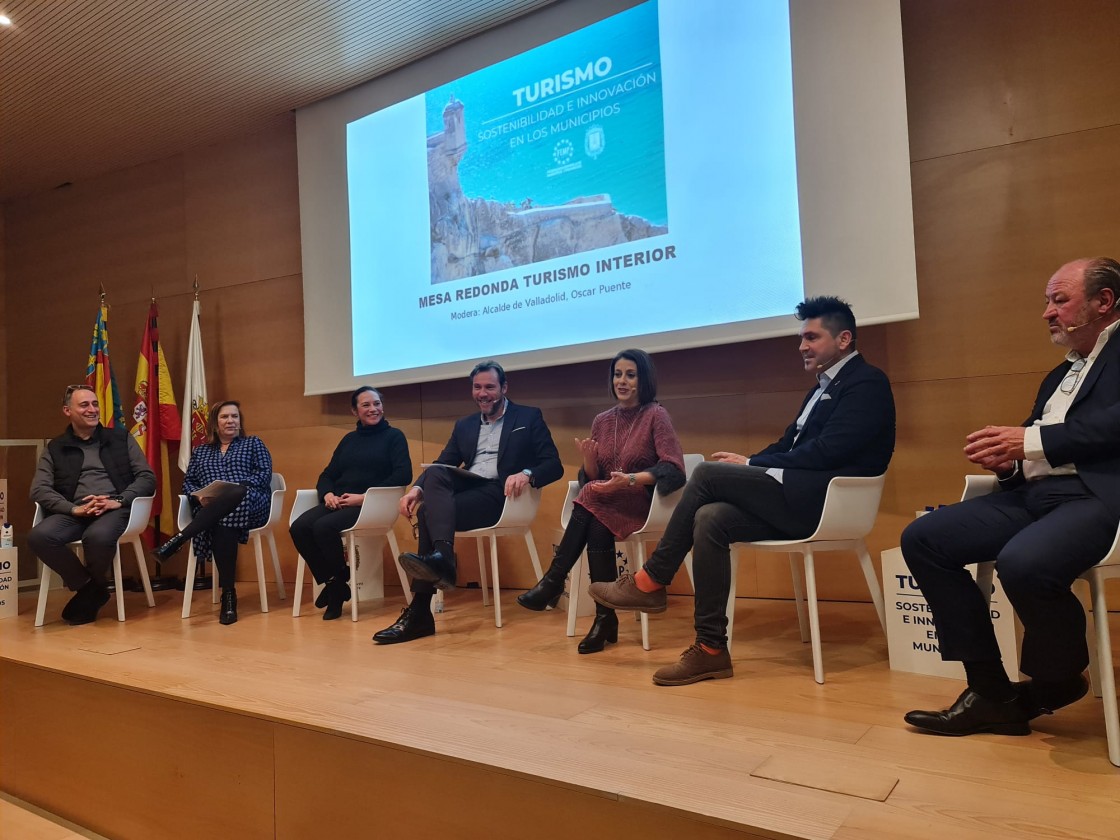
(526, 444)
(1090, 436)
(850, 431)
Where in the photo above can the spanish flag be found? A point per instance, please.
(156, 418)
(99, 373)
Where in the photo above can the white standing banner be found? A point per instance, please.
(9, 583)
(911, 637)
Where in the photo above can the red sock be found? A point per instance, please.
(645, 583)
(711, 651)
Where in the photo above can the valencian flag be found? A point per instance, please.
(156, 418)
(99, 373)
(195, 406)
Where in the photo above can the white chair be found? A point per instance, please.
(850, 507)
(516, 521)
(660, 509)
(1101, 675)
(139, 512)
(378, 514)
(275, 504)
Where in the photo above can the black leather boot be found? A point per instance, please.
(338, 593)
(171, 546)
(228, 614)
(603, 630)
(547, 591)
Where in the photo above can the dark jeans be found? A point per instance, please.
(1041, 535)
(317, 535)
(99, 534)
(453, 503)
(722, 504)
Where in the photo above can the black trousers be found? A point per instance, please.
(223, 539)
(453, 502)
(1041, 535)
(99, 534)
(317, 535)
(722, 504)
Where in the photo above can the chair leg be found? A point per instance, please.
(494, 580)
(536, 560)
(262, 584)
(213, 580)
(873, 586)
(297, 595)
(576, 578)
(142, 564)
(45, 574)
(482, 571)
(188, 587)
(639, 560)
(1107, 678)
(352, 560)
(280, 593)
(814, 615)
(393, 547)
(731, 596)
(119, 579)
(799, 596)
(1090, 636)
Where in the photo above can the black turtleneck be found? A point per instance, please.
(369, 456)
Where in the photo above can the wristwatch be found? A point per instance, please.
(117, 499)
(633, 480)
(529, 475)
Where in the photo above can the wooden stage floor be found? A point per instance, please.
(282, 727)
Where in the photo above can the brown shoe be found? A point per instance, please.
(624, 594)
(695, 665)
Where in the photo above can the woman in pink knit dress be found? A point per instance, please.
(632, 448)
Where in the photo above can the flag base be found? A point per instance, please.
(162, 583)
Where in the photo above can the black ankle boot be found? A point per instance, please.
(228, 614)
(603, 630)
(171, 546)
(547, 591)
(338, 593)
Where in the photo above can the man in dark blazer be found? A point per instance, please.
(498, 452)
(845, 427)
(1054, 518)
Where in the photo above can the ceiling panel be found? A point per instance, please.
(92, 86)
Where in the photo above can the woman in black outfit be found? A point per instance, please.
(373, 455)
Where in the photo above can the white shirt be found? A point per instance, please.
(1035, 464)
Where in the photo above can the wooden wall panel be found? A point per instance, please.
(1003, 72)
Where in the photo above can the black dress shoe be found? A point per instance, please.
(412, 624)
(170, 547)
(86, 604)
(1046, 697)
(973, 714)
(604, 629)
(338, 593)
(228, 613)
(546, 592)
(434, 568)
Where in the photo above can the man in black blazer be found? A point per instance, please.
(845, 427)
(498, 452)
(1054, 518)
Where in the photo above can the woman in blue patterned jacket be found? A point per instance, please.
(224, 515)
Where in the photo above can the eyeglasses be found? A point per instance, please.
(415, 528)
(1070, 381)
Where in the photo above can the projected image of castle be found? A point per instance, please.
(555, 152)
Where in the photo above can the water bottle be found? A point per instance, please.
(6, 535)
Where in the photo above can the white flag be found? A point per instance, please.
(195, 405)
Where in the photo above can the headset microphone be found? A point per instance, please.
(1079, 326)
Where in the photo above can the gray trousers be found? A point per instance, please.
(99, 535)
(722, 504)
